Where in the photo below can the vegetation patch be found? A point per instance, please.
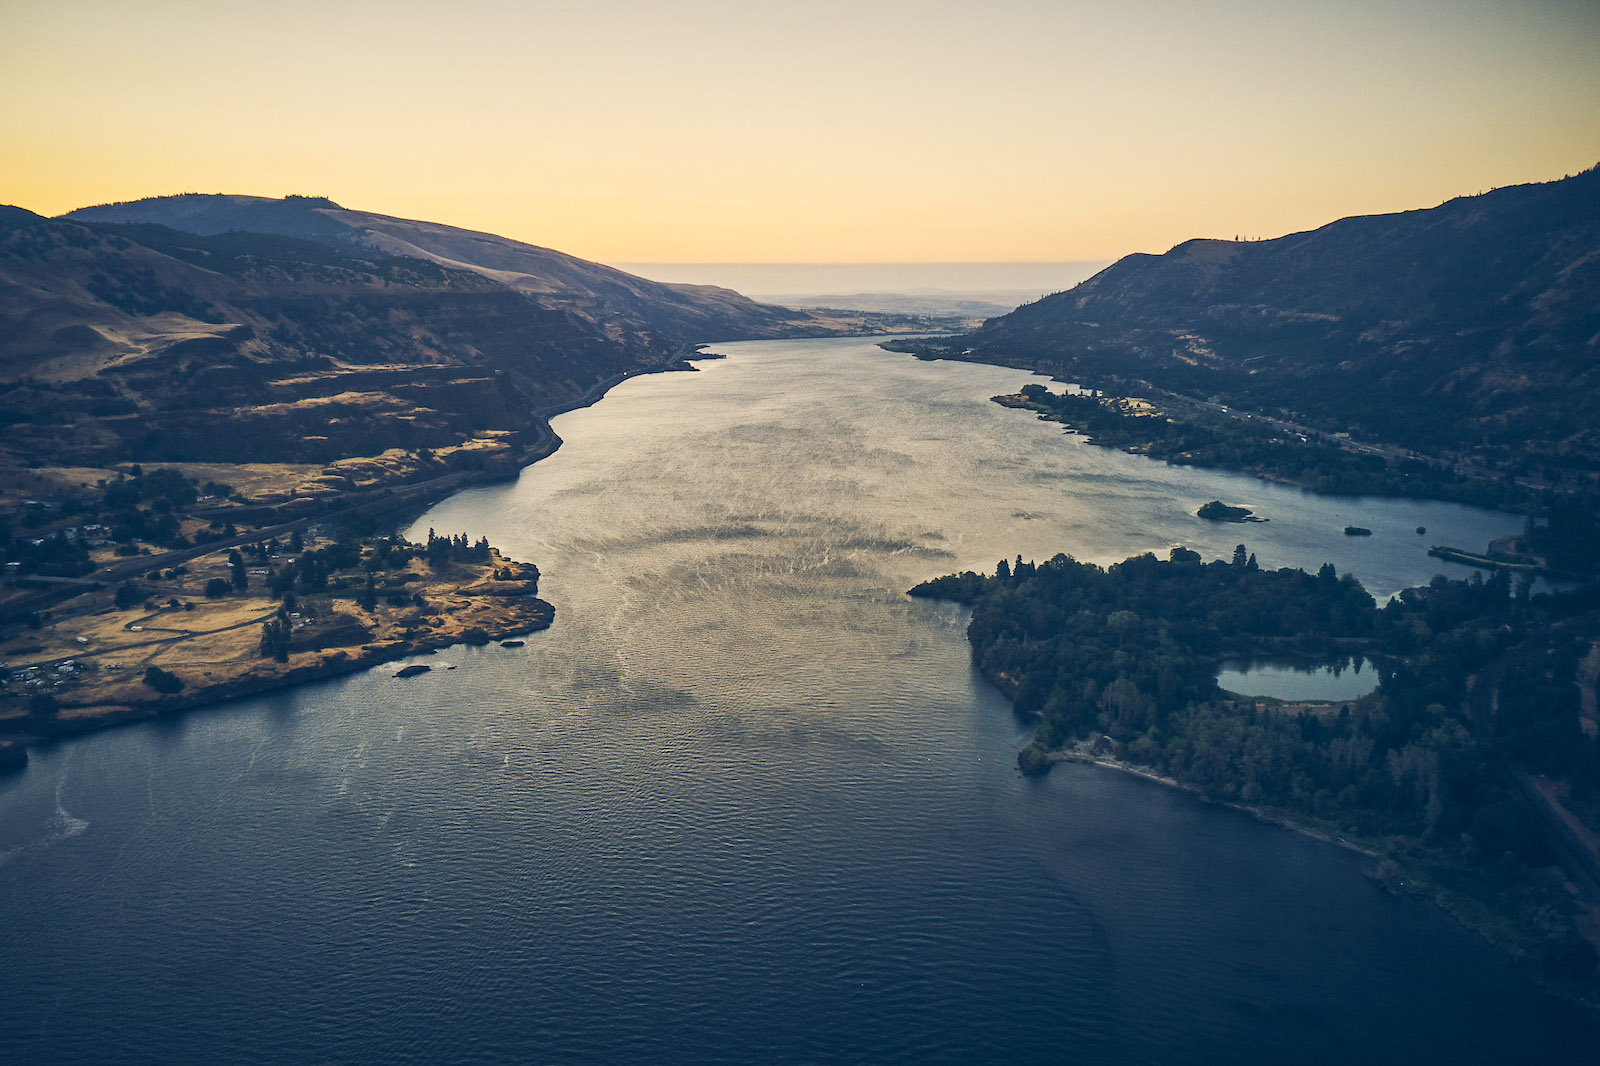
(1476, 692)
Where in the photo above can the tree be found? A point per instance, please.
(163, 682)
(438, 551)
(275, 637)
(1241, 556)
(241, 578)
(217, 588)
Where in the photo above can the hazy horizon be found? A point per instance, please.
(998, 281)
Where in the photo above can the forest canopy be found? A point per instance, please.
(1476, 686)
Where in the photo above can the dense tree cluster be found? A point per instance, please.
(1240, 444)
(442, 551)
(166, 489)
(1476, 682)
(275, 633)
(53, 556)
(1568, 539)
(163, 681)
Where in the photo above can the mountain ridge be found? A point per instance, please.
(1474, 323)
(296, 331)
(681, 313)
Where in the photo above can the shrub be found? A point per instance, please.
(162, 681)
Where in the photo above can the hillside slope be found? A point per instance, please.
(673, 314)
(141, 341)
(213, 328)
(1471, 324)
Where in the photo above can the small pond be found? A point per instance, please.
(1280, 680)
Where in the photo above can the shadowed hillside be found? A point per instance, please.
(205, 328)
(674, 314)
(1475, 324)
(141, 341)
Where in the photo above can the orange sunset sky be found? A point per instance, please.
(819, 132)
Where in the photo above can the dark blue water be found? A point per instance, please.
(745, 801)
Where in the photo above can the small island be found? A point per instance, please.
(1217, 511)
(1357, 531)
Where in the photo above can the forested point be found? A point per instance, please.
(1477, 685)
(1226, 443)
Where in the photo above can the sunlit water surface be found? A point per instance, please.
(746, 801)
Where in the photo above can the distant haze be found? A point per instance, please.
(939, 288)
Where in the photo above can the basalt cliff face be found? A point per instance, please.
(1473, 323)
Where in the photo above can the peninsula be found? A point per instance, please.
(1470, 771)
(237, 622)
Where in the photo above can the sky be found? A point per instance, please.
(846, 132)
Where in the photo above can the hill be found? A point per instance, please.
(142, 342)
(672, 314)
(1469, 327)
(237, 329)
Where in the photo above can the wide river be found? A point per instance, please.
(745, 801)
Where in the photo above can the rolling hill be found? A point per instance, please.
(240, 329)
(674, 314)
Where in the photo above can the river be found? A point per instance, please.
(745, 801)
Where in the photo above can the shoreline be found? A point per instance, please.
(1585, 997)
(517, 617)
(1260, 814)
(246, 686)
(340, 663)
(415, 500)
(1048, 369)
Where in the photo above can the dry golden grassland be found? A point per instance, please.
(91, 657)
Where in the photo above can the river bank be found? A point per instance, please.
(1399, 875)
(118, 662)
(1263, 814)
(744, 785)
(1140, 418)
(59, 680)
